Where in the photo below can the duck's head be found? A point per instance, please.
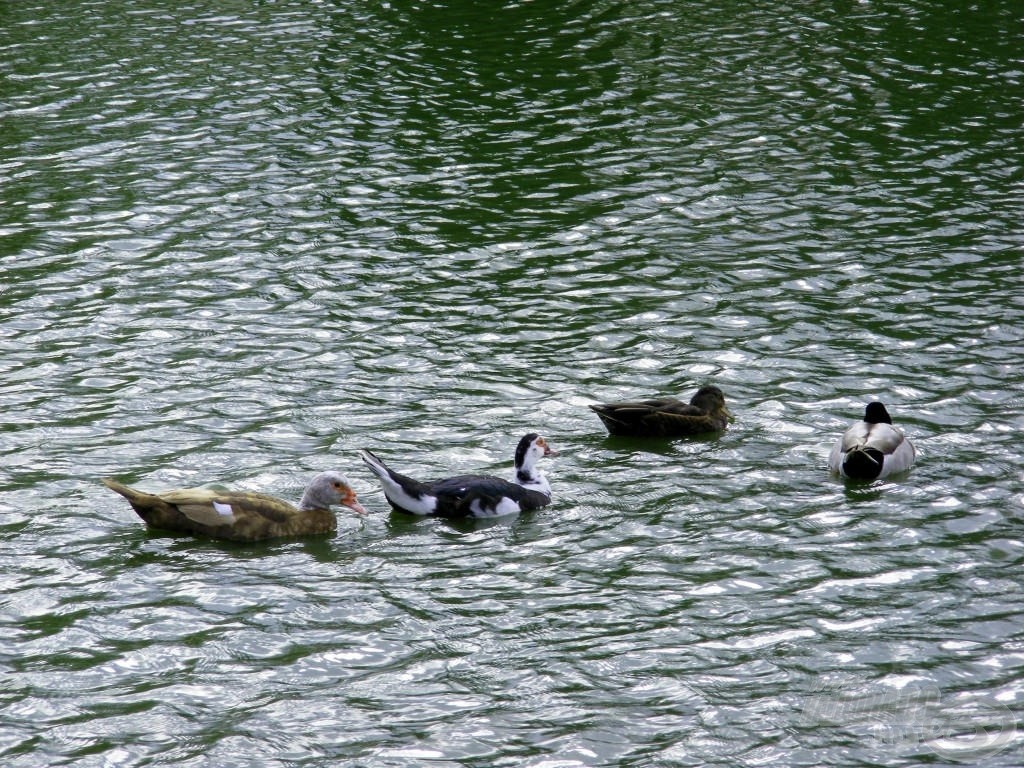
(711, 400)
(531, 448)
(875, 413)
(330, 489)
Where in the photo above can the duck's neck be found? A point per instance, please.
(313, 500)
(528, 476)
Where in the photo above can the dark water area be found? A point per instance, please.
(240, 241)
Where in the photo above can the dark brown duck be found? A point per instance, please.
(668, 416)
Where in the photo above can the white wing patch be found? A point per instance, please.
(504, 507)
(223, 509)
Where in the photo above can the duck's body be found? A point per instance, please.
(666, 417)
(470, 495)
(872, 449)
(242, 515)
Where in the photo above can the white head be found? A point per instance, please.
(530, 449)
(329, 489)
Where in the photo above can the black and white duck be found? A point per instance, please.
(243, 515)
(668, 416)
(872, 449)
(471, 495)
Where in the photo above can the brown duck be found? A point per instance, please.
(667, 417)
(241, 515)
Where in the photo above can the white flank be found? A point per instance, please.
(506, 506)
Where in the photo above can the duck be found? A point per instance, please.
(872, 449)
(243, 515)
(668, 416)
(470, 496)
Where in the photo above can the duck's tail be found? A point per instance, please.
(863, 463)
(143, 503)
(131, 494)
(403, 493)
(377, 466)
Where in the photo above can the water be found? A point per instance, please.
(240, 241)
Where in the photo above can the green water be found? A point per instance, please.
(239, 241)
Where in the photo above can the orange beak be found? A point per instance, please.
(352, 503)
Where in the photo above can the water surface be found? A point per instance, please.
(239, 242)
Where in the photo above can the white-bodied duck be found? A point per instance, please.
(471, 495)
(872, 449)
